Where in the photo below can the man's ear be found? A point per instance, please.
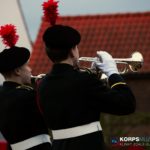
(17, 71)
(72, 52)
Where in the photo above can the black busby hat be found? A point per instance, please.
(13, 58)
(61, 37)
(58, 39)
(58, 36)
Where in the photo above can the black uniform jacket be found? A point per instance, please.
(20, 118)
(71, 98)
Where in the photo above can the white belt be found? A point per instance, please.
(76, 131)
(31, 142)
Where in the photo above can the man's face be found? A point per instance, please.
(25, 74)
(75, 53)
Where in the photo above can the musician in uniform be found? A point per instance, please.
(72, 100)
(21, 123)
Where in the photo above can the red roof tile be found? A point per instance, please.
(119, 34)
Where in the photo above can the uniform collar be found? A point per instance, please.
(10, 84)
(60, 67)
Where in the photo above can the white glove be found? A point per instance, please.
(40, 76)
(107, 64)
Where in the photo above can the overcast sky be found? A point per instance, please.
(32, 9)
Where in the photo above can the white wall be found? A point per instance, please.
(10, 13)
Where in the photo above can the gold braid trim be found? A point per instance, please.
(24, 87)
(118, 84)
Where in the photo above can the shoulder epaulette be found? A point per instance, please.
(24, 87)
(118, 83)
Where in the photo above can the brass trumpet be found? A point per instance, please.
(134, 63)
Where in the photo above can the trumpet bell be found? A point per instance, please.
(137, 56)
(137, 61)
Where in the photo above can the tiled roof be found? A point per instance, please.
(119, 34)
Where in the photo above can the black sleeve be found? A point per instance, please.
(117, 99)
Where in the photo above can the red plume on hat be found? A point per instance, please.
(50, 10)
(8, 35)
(14, 56)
